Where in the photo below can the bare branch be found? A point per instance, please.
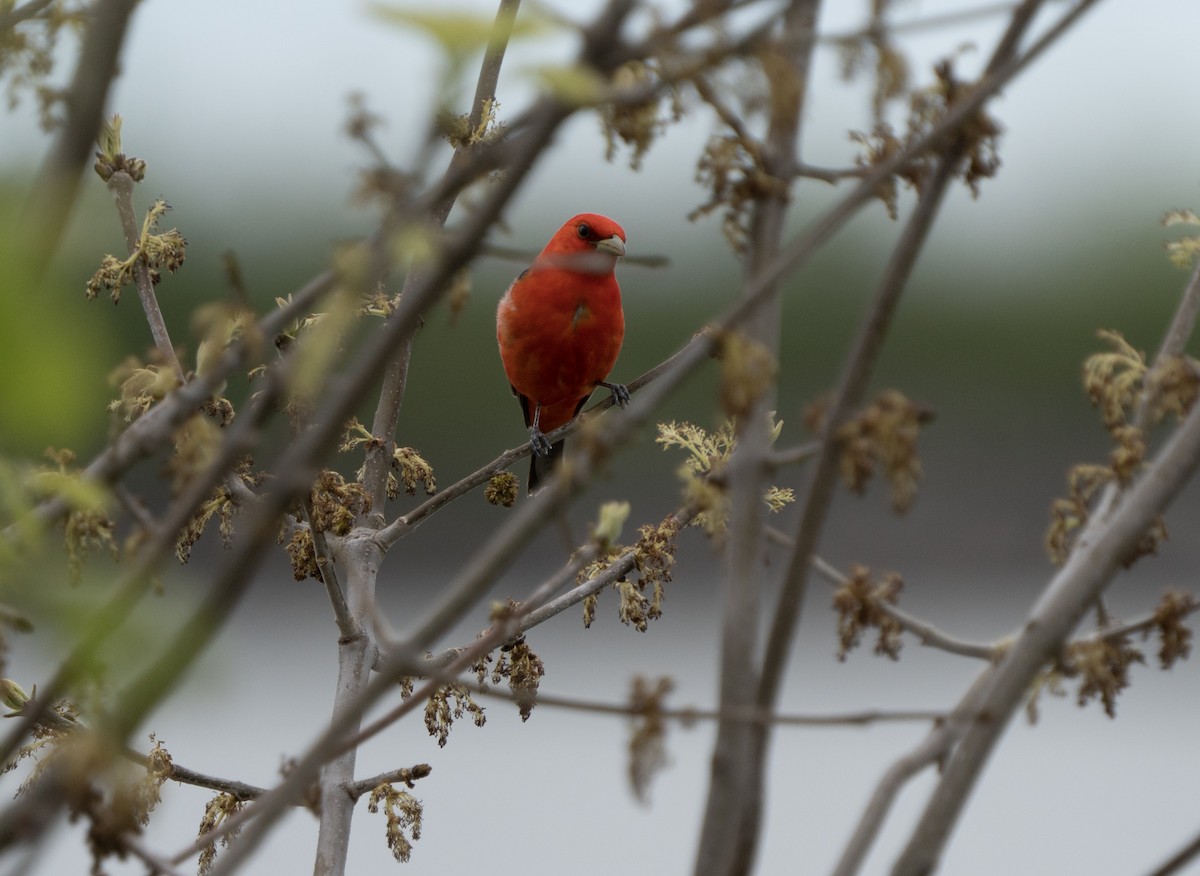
(347, 624)
(926, 632)
(155, 865)
(1184, 321)
(1099, 551)
(240, 790)
(688, 715)
(794, 455)
(406, 775)
(931, 750)
(29, 10)
(120, 185)
(1179, 860)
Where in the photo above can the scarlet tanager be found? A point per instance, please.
(560, 328)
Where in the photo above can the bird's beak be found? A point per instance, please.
(614, 246)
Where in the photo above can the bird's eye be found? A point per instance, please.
(583, 230)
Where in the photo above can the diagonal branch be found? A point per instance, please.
(1099, 551)
(15, 16)
(1179, 860)
(146, 435)
(53, 194)
(1103, 545)
(861, 361)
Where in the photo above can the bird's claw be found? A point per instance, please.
(620, 393)
(538, 442)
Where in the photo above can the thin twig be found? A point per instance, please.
(1131, 628)
(1179, 860)
(155, 864)
(931, 750)
(828, 174)
(391, 396)
(178, 773)
(407, 775)
(793, 455)
(120, 185)
(726, 114)
(929, 635)
(15, 16)
(615, 569)
(348, 626)
(688, 715)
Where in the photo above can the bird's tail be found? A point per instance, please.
(541, 467)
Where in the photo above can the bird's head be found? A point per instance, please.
(588, 243)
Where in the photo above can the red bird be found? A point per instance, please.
(560, 328)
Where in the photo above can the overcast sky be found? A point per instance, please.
(228, 99)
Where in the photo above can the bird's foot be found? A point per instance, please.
(538, 442)
(620, 393)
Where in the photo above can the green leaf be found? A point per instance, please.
(574, 85)
(458, 31)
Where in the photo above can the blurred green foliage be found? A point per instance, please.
(986, 337)
(53, 358)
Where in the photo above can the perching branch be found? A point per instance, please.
(406, 523)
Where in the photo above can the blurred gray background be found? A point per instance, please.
(238, 109)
